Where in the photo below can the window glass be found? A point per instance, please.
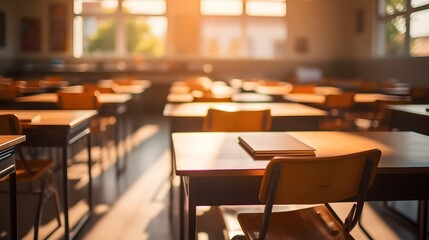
(419, 33)
(418, 3)
(95, 6)
(266, 38)
(146, 36)
(154, 7)
(390, 7)
(395, 36)
(222, 38)
(98, 35)
(274, 8)
(222, 7)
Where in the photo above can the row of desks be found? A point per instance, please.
(62, 128)
(215, 170)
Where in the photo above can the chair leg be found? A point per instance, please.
(367, 234)
(39, 210)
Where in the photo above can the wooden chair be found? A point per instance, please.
(237, 121)
(303, 88)
(311, 180)
(91, 87)
(88, 101)
(8, 93)
(337, 106)
(419, 94)
(32, 171)
(378, 119)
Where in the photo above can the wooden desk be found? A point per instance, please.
(410, 117)
(188, 117)
(360, 98)
(112, 104)
(216, 170)
(7, 168)
(60, 128)
(237, 97)
(131, 89)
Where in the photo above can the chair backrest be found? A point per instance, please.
(9, 125)
(312, 180)
(419, 94)
(303, 88)
(381, 112)
(8, 93)
(339, 101)
(90, 87)
(237, 121)
(78, 101)
(319, 180)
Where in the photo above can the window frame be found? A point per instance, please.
(244, 18)
(120, 46)
(385, 17)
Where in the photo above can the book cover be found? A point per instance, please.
(274, 145)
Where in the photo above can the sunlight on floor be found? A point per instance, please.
(130, 216)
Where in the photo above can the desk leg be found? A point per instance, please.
(88, 137)
(190, 211)
(65, 194)
(118, 138)
(423, 221)
(13, 207)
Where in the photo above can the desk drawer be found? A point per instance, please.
(7, 161)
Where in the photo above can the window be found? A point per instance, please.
(119, 28)
(243, 28)
(404, 27)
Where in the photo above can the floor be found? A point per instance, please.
(134, 205)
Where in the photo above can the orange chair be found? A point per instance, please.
(338, 106)
(8, 93)
(237, 121)
(311, 180)
(376, 120)
(87, 101)
(32, 171)
(303, 88)
(91, 87)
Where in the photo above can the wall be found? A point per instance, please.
(8, 51)
(323, 24)
(328, 27)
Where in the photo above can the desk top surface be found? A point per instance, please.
(418, 109)
(217, 154)
(63, 118)
(7, 141)
(277, 109)
(320, 98)
(132, 89)
(104, 98)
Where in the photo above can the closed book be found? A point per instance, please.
(274, 145)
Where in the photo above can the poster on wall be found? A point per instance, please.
(2, 29)
(58, 27)
(30, 35)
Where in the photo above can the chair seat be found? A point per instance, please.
(39, 167)
(309, 223)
